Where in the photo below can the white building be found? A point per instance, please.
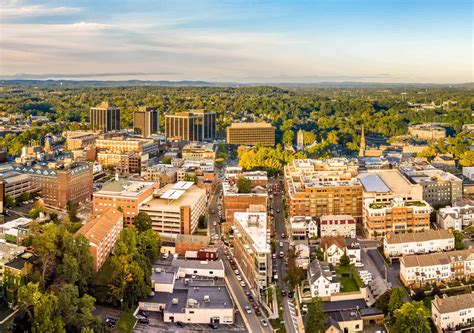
(353, 250)
(210, 269)
(333, 249)
(337, 225)
(322, 279)
(396, 245)
(453, 313)
(303, 227)
(458, 217)
(302, 255)
(252, 250)
(468, 172)
(437, 267)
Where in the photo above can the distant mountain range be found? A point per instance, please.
(186, 83)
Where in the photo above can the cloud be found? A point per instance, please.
(19, 9)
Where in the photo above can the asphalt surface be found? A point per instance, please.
(280, 228)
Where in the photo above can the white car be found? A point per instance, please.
(239, 278)
(281, 244)
(304, 308)
(243, 284)
(236, 272)
(359, 265)
(247, 309)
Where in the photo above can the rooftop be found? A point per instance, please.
(424, 236)
(455, 303)
(250, 125)
(255, 226)
(439, 258)
(317, 268)
(183, 263)
(172, 198)
(385, 181)
(96, 229)
(125, 188)
(426, 174)
(208, 297)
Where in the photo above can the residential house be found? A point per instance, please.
(322, 279)
(454, 313)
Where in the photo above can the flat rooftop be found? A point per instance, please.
(172, 199)
(125, 187)
(250, 125)
(255, 225)
(385, 181)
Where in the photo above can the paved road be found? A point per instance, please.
(251, 320)
(280, 229)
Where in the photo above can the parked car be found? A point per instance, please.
(264, 323)
(239, 278)
(180, 324)
(248, 309)
(165, 255)
(236, 271)
(140, 317)
(291, 293)
(359, 264)
(143, 321)
(274, 256)
(258, 312)
(243, 284)
(283, 235)
(213, 326)
(111, 322)
(282, 254)
(283, 292)
(247, 292)
(281, 244)
(143, 313)
(304, 308)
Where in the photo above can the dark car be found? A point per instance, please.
(291, 293)
(250, 298)
(283, 293)
(111, 322)
(213, 326)
(247, 292)
(142, 313)
(180, 323)
(257, 312)
(143, 321)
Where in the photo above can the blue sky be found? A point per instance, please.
(246, 41)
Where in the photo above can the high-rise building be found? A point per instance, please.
(250, 134)
(196, 125)
(105, 117)
(146, 121)
(362, 143)
(323, 187)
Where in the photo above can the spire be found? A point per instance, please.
(362, 143)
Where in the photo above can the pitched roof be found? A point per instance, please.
(453, 303)
(440, 258)
(317, 268)
(424, 236)
(97, 228)
(326, 242)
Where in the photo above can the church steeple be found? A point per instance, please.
(362, 143)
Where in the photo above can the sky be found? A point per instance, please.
(424, 41)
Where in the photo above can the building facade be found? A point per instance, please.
(250, 134)
(102, 231)
(427, 131)
(397, 245)
(196, 125)
(323, 280)
(442, 267)
(196, 151)
(105, 117)
(252, 248)
(337, 225)
(458, 217)
(146, 121)
(454, 313)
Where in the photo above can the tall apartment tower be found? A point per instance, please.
(196, 125)
(146, 121)
(362, 143)
(105, 117)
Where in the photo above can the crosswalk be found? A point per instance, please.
(291, 306)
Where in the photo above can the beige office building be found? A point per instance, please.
(249, 134)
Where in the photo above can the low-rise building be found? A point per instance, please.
(129, 195)
(202, 254)
(322, 279)
(233, 201)
(333, 249)
(185, 243)
(102, 231)
(353, 250)
(427, 131)
(337, 225)
(252, 249)
(164, 174)
(458, 217)
(440, 267)
(347, 321)
(176, 208)
(303, 227)
(440, 188)
(454, 313)
(15, 231)
(198, 151)
(397, 245)
(203, 268)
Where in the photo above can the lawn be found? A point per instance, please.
(348, 284)
(126, 322)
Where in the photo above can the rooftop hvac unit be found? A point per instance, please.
(158, 270)
(207, 299)
(192, 302)
(175, 301)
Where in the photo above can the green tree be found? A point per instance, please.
(332, 138)
(149, 244)
(467, 158)
(315, 317)
(428, 152)
(308, 137)
(72, 211)
(412, 317)
(244, 185)
(396, 300)
(458, 239)
(10, 201)
(166, 160)
(142, 222)
(344, 261)
(288, 138)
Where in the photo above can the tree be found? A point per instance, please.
(412, 317)
(344, 261)
(288, 137)
(142, 222)
(467, 158)
(332, 138)
(166, 160)
(458, 239)
(10, 201)
(428, 152)
(315, 317)
(72, 211)
(396, 300)
(244, 185)
(308, 137)
(45, 244)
